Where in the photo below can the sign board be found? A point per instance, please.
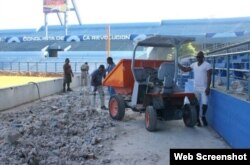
(54, 6)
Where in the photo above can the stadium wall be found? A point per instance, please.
(229, 116)
(15, 96)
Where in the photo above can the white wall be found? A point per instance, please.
(14, 96)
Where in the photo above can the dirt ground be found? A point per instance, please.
(67, 128)
(138, 146)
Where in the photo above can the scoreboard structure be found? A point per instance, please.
(59, 7)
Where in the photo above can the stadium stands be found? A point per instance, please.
(92, 36)
(90, 45)
(89, 42)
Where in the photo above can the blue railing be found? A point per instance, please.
(54, 67)
(37, 62)
(231, 69)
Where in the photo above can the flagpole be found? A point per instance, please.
(108, 41)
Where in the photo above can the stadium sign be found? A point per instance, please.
(70, 38)
(37, 38)
(105, 37)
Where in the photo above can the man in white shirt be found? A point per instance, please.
(202, 81)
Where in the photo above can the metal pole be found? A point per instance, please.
(28, 66)
(46, 25)
(76, 11)
(228, 79)
(108, 41)
(60, 18)
(213, 72)
(248, 56)
(176, 62)
(66, 19)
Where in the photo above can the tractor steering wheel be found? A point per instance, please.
(149, 71)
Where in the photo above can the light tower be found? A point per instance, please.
(58, 7)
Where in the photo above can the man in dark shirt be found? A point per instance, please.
(68, 74)
(96, 82)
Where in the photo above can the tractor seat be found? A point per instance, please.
(166, 75)
(164, 80)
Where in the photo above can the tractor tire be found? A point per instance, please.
(116, 107)
(150, 119)
(189, 115)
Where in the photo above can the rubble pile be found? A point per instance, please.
(62, 129)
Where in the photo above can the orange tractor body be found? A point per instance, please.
(121, 77)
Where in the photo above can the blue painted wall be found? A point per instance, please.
(230, 117)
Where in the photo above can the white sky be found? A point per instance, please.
(18, 14)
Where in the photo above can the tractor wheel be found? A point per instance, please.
(116, 107)
(189, 115)
(150, 119)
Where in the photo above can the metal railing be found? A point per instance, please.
(55, 67)
(231, 69)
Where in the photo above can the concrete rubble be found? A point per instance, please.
(62, 129)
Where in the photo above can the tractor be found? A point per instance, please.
(147, 83)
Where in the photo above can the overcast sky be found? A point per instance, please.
(16, 14)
